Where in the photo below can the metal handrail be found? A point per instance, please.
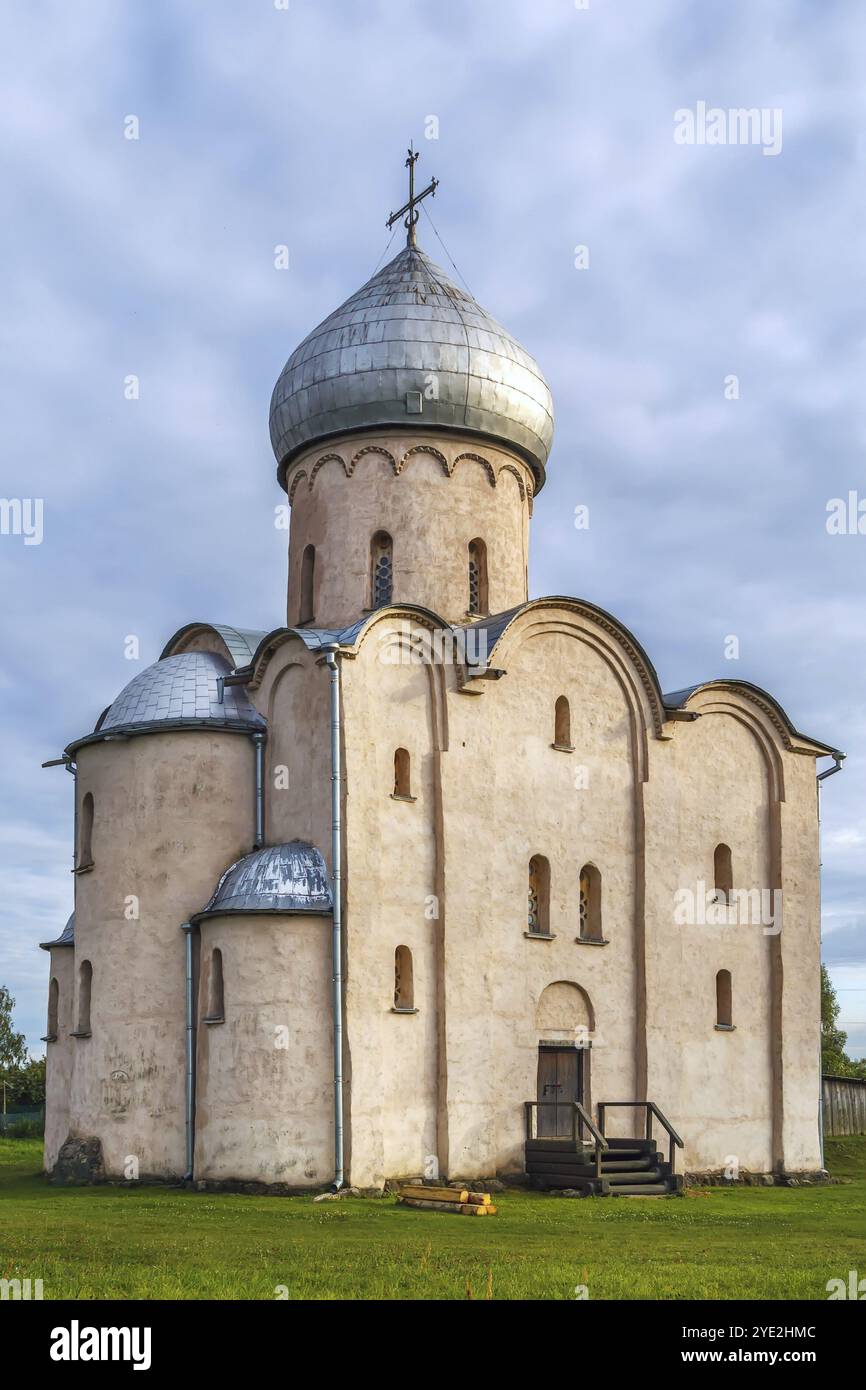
(651, 1110)
(579, 1118)
(596, 1133)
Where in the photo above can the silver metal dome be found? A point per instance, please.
(281, 878)
(181, 689)
(369, 362)
(66, 937)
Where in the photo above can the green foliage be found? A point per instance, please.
(22, 1078)
(13, 1046)
(834, 1059)
(25, 1086)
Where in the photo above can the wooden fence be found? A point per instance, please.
(844, 1105)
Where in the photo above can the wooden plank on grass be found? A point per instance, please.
(435, 1194)
(459, 1208)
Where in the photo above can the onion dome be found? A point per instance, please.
(180, 690)
(66, 937)
(281, 878)
(371, 362)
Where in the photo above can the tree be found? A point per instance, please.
(28, 1084)
(22, 1078)
(834, 1059)
(13, 1046)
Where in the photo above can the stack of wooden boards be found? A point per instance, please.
(456, 1199)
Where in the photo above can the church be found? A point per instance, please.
(403, 887)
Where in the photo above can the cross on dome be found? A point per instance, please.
(410, 208)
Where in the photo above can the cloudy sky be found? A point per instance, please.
(264, 124)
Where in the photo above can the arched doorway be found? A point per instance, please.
(564, 1022)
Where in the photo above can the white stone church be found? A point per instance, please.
(434, 880)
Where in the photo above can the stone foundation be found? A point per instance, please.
(718, 1178)
(79, 1162)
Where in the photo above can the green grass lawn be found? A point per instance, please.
(152, 1242)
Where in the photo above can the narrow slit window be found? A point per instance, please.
(216, 988)
(85, 833)
(724, 873)
(381, 569)
(724, 1001)
(590, 904)
(306, 612)
(538, 915)
(402, 774)
(404, 979)
(562, 724)
(85, 983)
(478, 577)
(53, 1009)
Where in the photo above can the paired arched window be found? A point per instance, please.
(724, 1001)
(216, 993)
(723, 873)
(53, 1010)
(85, 833)
(402, 774)
(562, 724)
(590, 904)
(306, 611)
(404, 979)
(85, 981)
(381, 569)
(538, 914)
(478, 577)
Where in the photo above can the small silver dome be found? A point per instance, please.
(366, 364)
(280, 878)
(181, 689)
(66, 937)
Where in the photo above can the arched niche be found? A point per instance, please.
(564, 1013)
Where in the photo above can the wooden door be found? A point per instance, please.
(560, 1076)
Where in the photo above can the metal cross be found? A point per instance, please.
(414, 199)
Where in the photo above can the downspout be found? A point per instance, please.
(187, 929)
(259, 746)
(71, 767)
(258, 840)
(838, 759)
(337, 938)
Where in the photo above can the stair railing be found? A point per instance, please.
(580, 1120)
(651, 1110)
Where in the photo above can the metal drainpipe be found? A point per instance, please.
(837, 767)
(337, 939)
(72, 768)
(838, 759)
(187, 929)
(259, 744)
